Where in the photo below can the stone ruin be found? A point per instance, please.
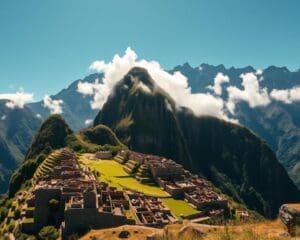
(82, 201)
(177, 181)
(289, 214)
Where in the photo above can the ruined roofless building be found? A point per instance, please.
(103, 155)
(90, 199)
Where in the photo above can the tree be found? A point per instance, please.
(48, 233)
(53, 204)
(17, 213)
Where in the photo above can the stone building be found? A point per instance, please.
(103, 155)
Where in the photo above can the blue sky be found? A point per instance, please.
(45, 45)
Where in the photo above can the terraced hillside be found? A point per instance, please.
(131, 167)
(140, 171)
(47, 165)
(143, 175)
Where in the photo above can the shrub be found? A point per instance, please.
(48, 233)
(17, 213)
(53, 204)
(11, 226)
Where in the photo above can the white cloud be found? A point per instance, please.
(220, 78)
(252, 93)
(55, 106)
(287, 95)
(98, 66)
(87, 88)
(176, 85)
(3, 117)
(259, 72)
(88, 121)
(16, 100)
(38, 115)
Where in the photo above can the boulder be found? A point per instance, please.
(289, 214)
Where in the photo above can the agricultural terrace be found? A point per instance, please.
(179, 207)
(112, 173)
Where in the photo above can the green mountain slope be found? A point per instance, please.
(229, 155)
(141, 121)
(277, 123)
(17, 126)
(54, 134)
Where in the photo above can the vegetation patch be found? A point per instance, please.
(179, 207)
(112, 173)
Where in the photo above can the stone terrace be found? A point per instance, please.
(177, 181)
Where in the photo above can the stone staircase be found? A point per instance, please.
(119, 159)
(131, 167)
(143, 175)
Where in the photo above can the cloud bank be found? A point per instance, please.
(16, 100)
(176, 84)
(287, 96)
(252, 93)
(55, 106)
(220, 78)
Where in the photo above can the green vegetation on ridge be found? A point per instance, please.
(54, 134)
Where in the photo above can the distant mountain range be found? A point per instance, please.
(278, 124)
(17, 126)
(76, 107)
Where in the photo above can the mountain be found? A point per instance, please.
(76, 107)
(17, 126)
(53, 134)
(237, 161)
(277, 123)
(128, 111)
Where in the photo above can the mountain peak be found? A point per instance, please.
(139, 75)
(52, 134)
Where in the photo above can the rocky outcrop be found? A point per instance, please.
(289, 214)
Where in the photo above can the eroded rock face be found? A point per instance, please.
(289, 214)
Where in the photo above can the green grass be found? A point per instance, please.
(105, 167)
(112, 173)
(28, 220)
(31, 209)
(11, 213)
(179, 207)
